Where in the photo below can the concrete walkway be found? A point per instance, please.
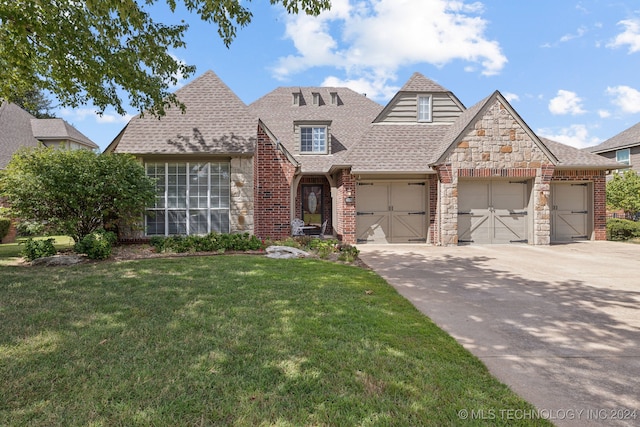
(560, 324)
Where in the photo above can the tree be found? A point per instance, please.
(36, 104)
(623, 192)
(76, 192)
(83, 51)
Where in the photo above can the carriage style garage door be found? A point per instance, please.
(570, 212)
(391, 212)
(492, 211)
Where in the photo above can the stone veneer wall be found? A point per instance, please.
(241, 208)
(272, 179)
(497, 146)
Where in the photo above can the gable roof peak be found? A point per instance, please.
(419, 83)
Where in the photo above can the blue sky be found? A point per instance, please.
(571, 68)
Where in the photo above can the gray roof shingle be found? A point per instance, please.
(419, 83)
(625, 139)
(570, 157)
(350, 118)
(58, 129)
(216, 121)
(15, 131)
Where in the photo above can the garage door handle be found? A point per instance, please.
(417, 213)
(580, 212)
(364, 213)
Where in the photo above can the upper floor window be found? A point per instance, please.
(424, 108)
(623, 156)
(313, 139)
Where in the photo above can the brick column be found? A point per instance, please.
(346, 227)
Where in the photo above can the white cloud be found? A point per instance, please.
(177, 80)
(579, 33)
(511, 97)
(376, 37)
(566, 102)
(575, 135)
(604, 114)
(371, 87)
(630, 36)
(625, 97)
(81, 114)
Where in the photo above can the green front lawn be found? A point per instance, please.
(229, 340)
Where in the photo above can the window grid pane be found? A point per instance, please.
(206, 188)
(313, 139)
(424, 108)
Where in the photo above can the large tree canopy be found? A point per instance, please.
(76, 192)
(87, 51)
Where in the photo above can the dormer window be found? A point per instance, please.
(334, 98)
(316, 98)
(424, 108)
(313, 139)
(296, 98)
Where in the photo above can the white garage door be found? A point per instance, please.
(491, 212)
(391, 212)
(570, 212)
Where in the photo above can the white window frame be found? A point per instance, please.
(163, 208)
(422, 115)
(314, 150)
(626, 159)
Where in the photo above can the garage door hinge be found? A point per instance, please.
(363, 240)
(417, 213)
(364, 213)
(520, 213)
(580, 185)
(417, 240)
(416, 183)
(465, 241)
(517, 182)
(365, 183)
(580, 212)
(519, 241)
(579, 237)
(464, 213)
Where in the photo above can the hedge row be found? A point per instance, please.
(622, 229)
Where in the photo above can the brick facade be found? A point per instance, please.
(272, 179)
(346, 210)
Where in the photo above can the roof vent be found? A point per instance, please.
(296, 98)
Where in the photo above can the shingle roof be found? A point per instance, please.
(56, 129)
(419, 83)
(15, 131)
(397, 148)
(350, 118)
(570, 157)
(625, 139)
(216, 121)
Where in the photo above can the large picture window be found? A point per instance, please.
(191, 198)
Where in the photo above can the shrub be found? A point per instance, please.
(97, 245)
(212, 242)
(34, 249)
(348, 253)
(30, 228)
(622, 229)
(5, 223)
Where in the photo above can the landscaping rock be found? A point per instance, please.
(58, 260)
(285, 252)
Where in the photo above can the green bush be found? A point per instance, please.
(30, 228)
(348, 253)
(97, 245)
(5, 223)
(622, 229)
(212, 242)
(34, 249)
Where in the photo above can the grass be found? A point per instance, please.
(12, 250)
(229, 340)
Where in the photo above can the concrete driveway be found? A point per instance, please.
(560, 324)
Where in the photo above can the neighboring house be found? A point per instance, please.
(19, 129)
(623, 148)
(422, 169)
